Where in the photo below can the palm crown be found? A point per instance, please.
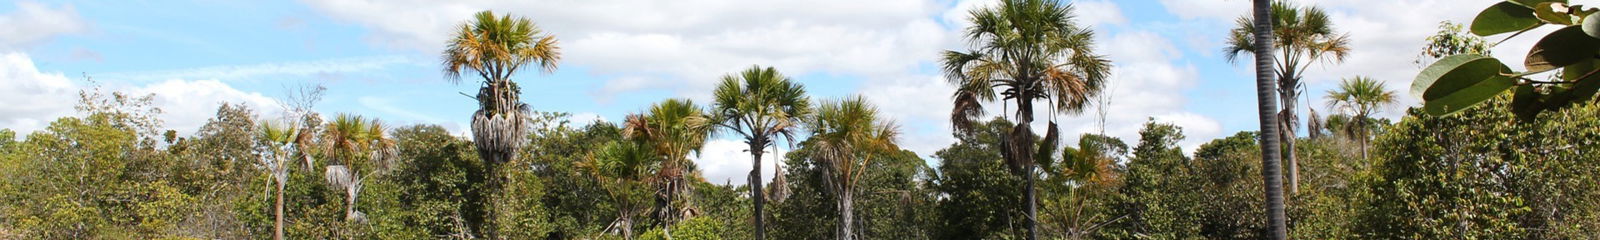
(1030, 49)
(671, 130)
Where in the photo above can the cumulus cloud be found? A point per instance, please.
(1148, 82)
(34, 22)
(188, 104)
(685, 45)
(31, 98)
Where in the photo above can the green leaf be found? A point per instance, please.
(1503, 17)
(1453, 73)
(1547, 12)
(1479, 91)
(1585, 88)
(1561, 48)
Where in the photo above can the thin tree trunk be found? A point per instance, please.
(755, 186)
(1271, 170)
(277, 225)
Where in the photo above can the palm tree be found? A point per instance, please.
(278, 143)
(624, 167)
(1361, 97)
(847, 134)
(671, 130)
(1271, 169)
(494, 48)
(759, 104)
(1028, 50)
(357, 146)
(1303, 35)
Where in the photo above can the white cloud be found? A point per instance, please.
(1148, 81)
(186, 105)
(726, 161)
(684, 46)
(33, 22)
(321, 68)
(1207, 9)
(920, 105)
(30, 98)
(1098, 12)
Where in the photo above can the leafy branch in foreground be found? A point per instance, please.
(1460, 81)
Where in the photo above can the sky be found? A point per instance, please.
(381, 59)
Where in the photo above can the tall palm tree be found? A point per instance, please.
(278, 145)
(847, 134)
(1302, 36)
(624, 167)
(1028, 50)
(1271, 169)
(671, 130)
(358, 146)
(494, 48)
(1360, 96)
(759, 104)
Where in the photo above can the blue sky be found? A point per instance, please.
(380, 58)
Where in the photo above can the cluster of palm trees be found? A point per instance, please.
(758, 104)
(356, 145)
(1024, 53)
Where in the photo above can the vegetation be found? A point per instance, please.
(760, 105)
(1026, 50)
(1300, 36)
(1360, 97)
(1493, 168)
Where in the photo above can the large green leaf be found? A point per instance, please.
(1503, 17)
(1461, 70)
(1561, 48)
(1463, 98)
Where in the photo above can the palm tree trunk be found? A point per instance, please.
(277, 225)
(1271, 171)
(756, 146)
(1289, 97)
(1286, 127)
(1025, 120)
(1033, 206)
(627, 224)
(847, 214)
